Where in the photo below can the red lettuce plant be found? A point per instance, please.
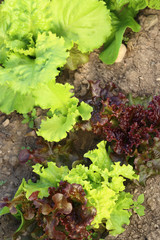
(124, 126)
(62, 215)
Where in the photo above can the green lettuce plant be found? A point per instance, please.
(35, 41)
(123, 15)
(103, 183)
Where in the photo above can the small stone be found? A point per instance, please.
(150, 21)
(158, 79)
(19, 133)
(14, 161)
(0, 151)
(6, 158)
(6, 123)
(121, 54)
(1, 161)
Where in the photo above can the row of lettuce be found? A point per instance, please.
(37, 38)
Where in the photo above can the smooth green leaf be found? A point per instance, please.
(140, 199)
(54, 96)
(87, 25)
(120, 21)
(4, 211)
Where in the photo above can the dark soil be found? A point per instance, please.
(138, 73)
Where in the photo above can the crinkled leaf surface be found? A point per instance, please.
(49, 177)
(100, 157)
(120, 215)
(26, 17)
(23, 73)
(84, 23)
(103, 183)
(64, 107)
(56, 128)
(155, 4)
(76, 58)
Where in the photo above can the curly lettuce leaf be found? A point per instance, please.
(26, 17)
(155, 4)
(23, 74)
(87, 25)
(99, 156)
(11, 101)
(120, 214)
(49, 177)
(64, 108)
(103, 183)
(103, 187)
(56, 128)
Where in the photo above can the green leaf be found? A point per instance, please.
(56, 128)
(87, 25)
(54, 96)
(4, 211)
(100, 157)
(76, 58)
(20, 189)
(125, 171)
(85, 111)
(140, 199)
(120, 21)
(64, 107)
(25, 74)
(23, 18)
(140, 210)
(120, 214)
(137, 5)
(49, 177)
(11, 101)
(155, 4)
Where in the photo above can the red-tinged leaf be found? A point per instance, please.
(29, 213)
(34, 196)
(50, 230)
(61, 204)
(46, 209)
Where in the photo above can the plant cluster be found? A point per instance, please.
(37, 39)
(131, 126)
(123, 15)
(70, 200)
(62, 215)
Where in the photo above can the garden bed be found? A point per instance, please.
(139, 74)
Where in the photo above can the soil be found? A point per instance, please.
(139, 74)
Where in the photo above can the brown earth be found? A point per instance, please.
(138, 73)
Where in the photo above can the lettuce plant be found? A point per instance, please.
(124, 125)
(122, 16)
(103, 184)
(60, 216)
(35, 40)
